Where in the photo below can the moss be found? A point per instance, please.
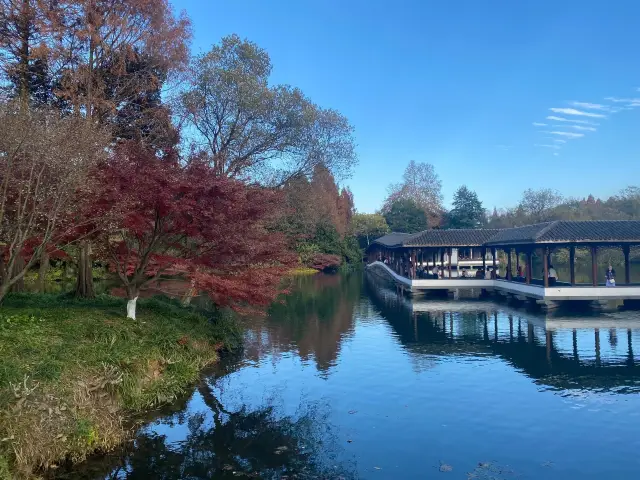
(73, 373)
(303, 271)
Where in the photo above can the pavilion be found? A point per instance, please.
(541, 239)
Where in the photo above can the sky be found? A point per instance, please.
(499, 95)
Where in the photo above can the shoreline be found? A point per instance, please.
(75, 374)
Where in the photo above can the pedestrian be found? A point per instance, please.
(610, 277)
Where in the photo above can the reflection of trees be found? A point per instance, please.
(431, 334)
(242, 443)
(313, 318)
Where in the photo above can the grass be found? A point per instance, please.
(303, 271)
(73, 373)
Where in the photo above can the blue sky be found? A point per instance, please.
(459, 84)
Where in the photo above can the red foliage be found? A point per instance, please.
(323, 261)
(161, 219)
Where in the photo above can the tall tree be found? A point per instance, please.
(45, 160)
(536, 204)
(421, 184)
(467, 211)
(251, 130)
(159, 219)
(369, 226)
(405, 216)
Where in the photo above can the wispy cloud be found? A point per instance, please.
(567, 134)
(546, 145)
(630, 102)
(562, 119)
(538, 124)
(503, 147)
(556, 154)
(573, 111)
(584, 129)
(559, 140)
(595, 106)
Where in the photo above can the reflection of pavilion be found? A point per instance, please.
(405, 256)
(589, 356)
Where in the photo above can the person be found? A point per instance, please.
(553, 276)
(488, 275)
(463, 274)
(610, 277)
(520, 275)
(479, 273)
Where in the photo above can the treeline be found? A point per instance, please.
(120, 148)
(415, 204)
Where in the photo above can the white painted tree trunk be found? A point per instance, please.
(131, 308)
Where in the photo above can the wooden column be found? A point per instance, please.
(434, 254)
(508, 276)
(572, 264)
(517, 261)
(545, 266)
(529, 265)
(494, 254)
(484, 259)
(627, 264)
(594, 265)
(449, 255)
(442, 259)
(414, 260)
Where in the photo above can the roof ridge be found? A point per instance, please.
(545, 229)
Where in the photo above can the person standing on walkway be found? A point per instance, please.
(610, 277)
(553, 275)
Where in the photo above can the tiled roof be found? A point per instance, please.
(571, 232)
(393, 239)
(450, 238)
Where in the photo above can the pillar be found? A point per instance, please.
(484, 259)
(517, 261)
(545, 266)
(414, 259)
(449, 254)
(529, 266)
(508, 276)
(494, 254)
(442, 260)
(627, 264)
(572, 264)
(594, 265)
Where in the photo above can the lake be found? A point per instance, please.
(344, 379)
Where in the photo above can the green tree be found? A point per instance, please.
(467, 211)
(367, 226)
(406, 216)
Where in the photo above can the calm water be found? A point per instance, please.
(346, 380)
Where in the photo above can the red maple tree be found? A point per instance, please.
(161, 219)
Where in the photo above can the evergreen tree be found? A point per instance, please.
(467, 210)
(406, 216)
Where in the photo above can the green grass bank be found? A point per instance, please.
(74, 374)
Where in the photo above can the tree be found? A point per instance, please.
(45, 159)
(421, 184)
(159, 219)
(368, 226)
(251, 130)
(467, 211)
(536, 204)
(405, 216)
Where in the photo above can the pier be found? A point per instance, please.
(401, 258)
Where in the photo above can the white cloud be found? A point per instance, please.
(561, 119)
(556, 154)
(573, 111)
(630, 102)
(584, 129)
(538, 124)
(567, 134)
(594, 106)
(546, 145)
(559, 140)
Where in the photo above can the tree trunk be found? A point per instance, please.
(132, 299)
(18, 266)
(189, 294)
(84, 286)
(23, 63)
(42, 272)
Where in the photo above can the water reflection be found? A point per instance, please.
(345, 379)
(559, 352)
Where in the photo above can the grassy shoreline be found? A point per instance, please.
(73, 373)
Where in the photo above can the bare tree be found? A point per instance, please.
(43, 161)
(537, 204)
(248, 129)
(421, 184)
